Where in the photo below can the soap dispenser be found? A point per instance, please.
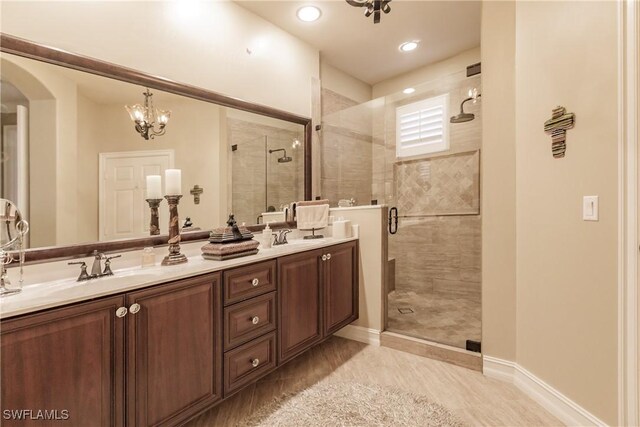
(266, 237)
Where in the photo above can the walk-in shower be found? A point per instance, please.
(433, 283)
(267, 172)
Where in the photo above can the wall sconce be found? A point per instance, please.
(146, 117)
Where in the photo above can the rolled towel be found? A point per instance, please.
(313, 202)
(312, 217)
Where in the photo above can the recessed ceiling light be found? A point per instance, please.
(408, 46)
(308, 13)
(409, 90)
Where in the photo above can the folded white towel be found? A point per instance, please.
(312, 217)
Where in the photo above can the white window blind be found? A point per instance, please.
(422, 127)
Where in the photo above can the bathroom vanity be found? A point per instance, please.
(162, 351)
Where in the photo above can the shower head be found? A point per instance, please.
(284, 158)
(462, 117)
(466, 117)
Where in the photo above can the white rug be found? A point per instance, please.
(351, 404)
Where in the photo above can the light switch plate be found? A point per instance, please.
(590, 208)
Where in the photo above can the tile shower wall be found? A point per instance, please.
(438, 245)
(284, 181)
(346, 164)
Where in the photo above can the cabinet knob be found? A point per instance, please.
(328, 256)
(255, 362)
(324, 257)
(134, 308)
(255, 320)
(255, 282)
(121, 311)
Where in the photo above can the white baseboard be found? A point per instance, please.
(361, 334)
(565, 409)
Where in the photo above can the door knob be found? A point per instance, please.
(328, 256)
(324, 257)
(134, 308)
(255, 362)
(121, 311)
(255, 320)
(255, 282)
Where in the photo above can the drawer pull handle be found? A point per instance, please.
(255, 320)
(328, 256)
(324, 257)
(134, 308)
(255, 282)
(121, 312)
(255, 362)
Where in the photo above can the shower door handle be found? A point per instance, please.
(393, 220)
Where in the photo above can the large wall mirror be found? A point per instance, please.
(73, 161)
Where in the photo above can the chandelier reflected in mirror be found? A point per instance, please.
(372, 7)
(149, 121)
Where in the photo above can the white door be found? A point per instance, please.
(124, 213)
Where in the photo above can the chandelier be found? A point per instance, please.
(149, 121)
(372, 7)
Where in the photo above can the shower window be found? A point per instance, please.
(421, 127)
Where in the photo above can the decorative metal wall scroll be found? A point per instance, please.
(557, 127)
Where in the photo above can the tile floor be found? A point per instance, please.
(445, 318)
(476, 399)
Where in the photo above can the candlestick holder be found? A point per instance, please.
(154, 226)
(174, 257)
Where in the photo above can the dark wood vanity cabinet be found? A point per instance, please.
(160, 355)
(69, 360)
(174, 351)
(318, 293)
(340, 272)
(300, 307)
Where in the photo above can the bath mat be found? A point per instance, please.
(351, 404)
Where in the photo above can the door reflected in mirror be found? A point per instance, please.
(75, 160)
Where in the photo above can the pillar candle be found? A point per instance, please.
(154, 187)
(173, 182)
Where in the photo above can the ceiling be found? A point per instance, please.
(354, 44)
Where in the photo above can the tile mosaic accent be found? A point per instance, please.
(439, 185)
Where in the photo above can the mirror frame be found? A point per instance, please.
(40, 52)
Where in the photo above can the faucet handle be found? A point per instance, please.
(107, 265)
(83, 270)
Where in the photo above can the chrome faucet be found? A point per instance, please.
(280, 238)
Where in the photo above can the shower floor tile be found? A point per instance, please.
(443, 318)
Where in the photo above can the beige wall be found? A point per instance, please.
(567, 295)
(428, 73)
(340, 82)
(498, 181)
(201, 43)
(565, 306)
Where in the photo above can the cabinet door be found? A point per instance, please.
(340, 286)
(300, 303)
(174, 351)
(68, 360)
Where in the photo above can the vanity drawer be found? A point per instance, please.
(252, 280)
(249, 319)
(249, 362)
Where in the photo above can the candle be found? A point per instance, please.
(173, 182)
(154, 187)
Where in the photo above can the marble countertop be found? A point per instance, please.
(54, 284)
